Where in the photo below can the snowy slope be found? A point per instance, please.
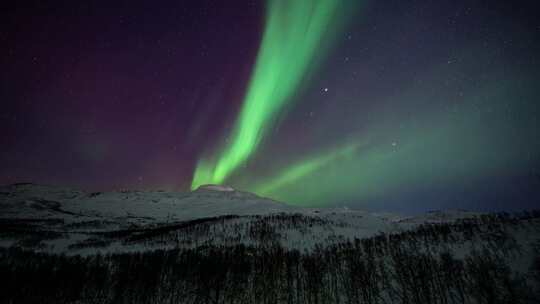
(434, 256)
(67, 220)
(135, 207)
(76, 219)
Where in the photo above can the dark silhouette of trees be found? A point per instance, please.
(417, 266)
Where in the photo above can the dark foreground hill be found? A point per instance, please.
(486, 259)
(219, 245)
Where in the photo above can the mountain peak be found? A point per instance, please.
(214, 187)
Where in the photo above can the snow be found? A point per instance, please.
(212, 187)
(132, 207)
(71, 222)
(78, 222)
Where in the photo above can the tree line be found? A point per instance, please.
(469, 261)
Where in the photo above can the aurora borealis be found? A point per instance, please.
(380, 105)
(292, 36)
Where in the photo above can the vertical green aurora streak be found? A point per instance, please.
(295, 31)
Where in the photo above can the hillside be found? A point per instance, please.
(70, 221)
(220, 245)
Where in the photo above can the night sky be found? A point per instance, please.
(378, 105)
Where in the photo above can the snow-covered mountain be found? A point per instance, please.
(132, 207)
(220, 245)
(67, 220)
(59, 219)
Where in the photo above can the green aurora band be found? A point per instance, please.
(436, 134)
(304, 168)
(454, 147)
(294, 34)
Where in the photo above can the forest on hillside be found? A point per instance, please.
(469, 261)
